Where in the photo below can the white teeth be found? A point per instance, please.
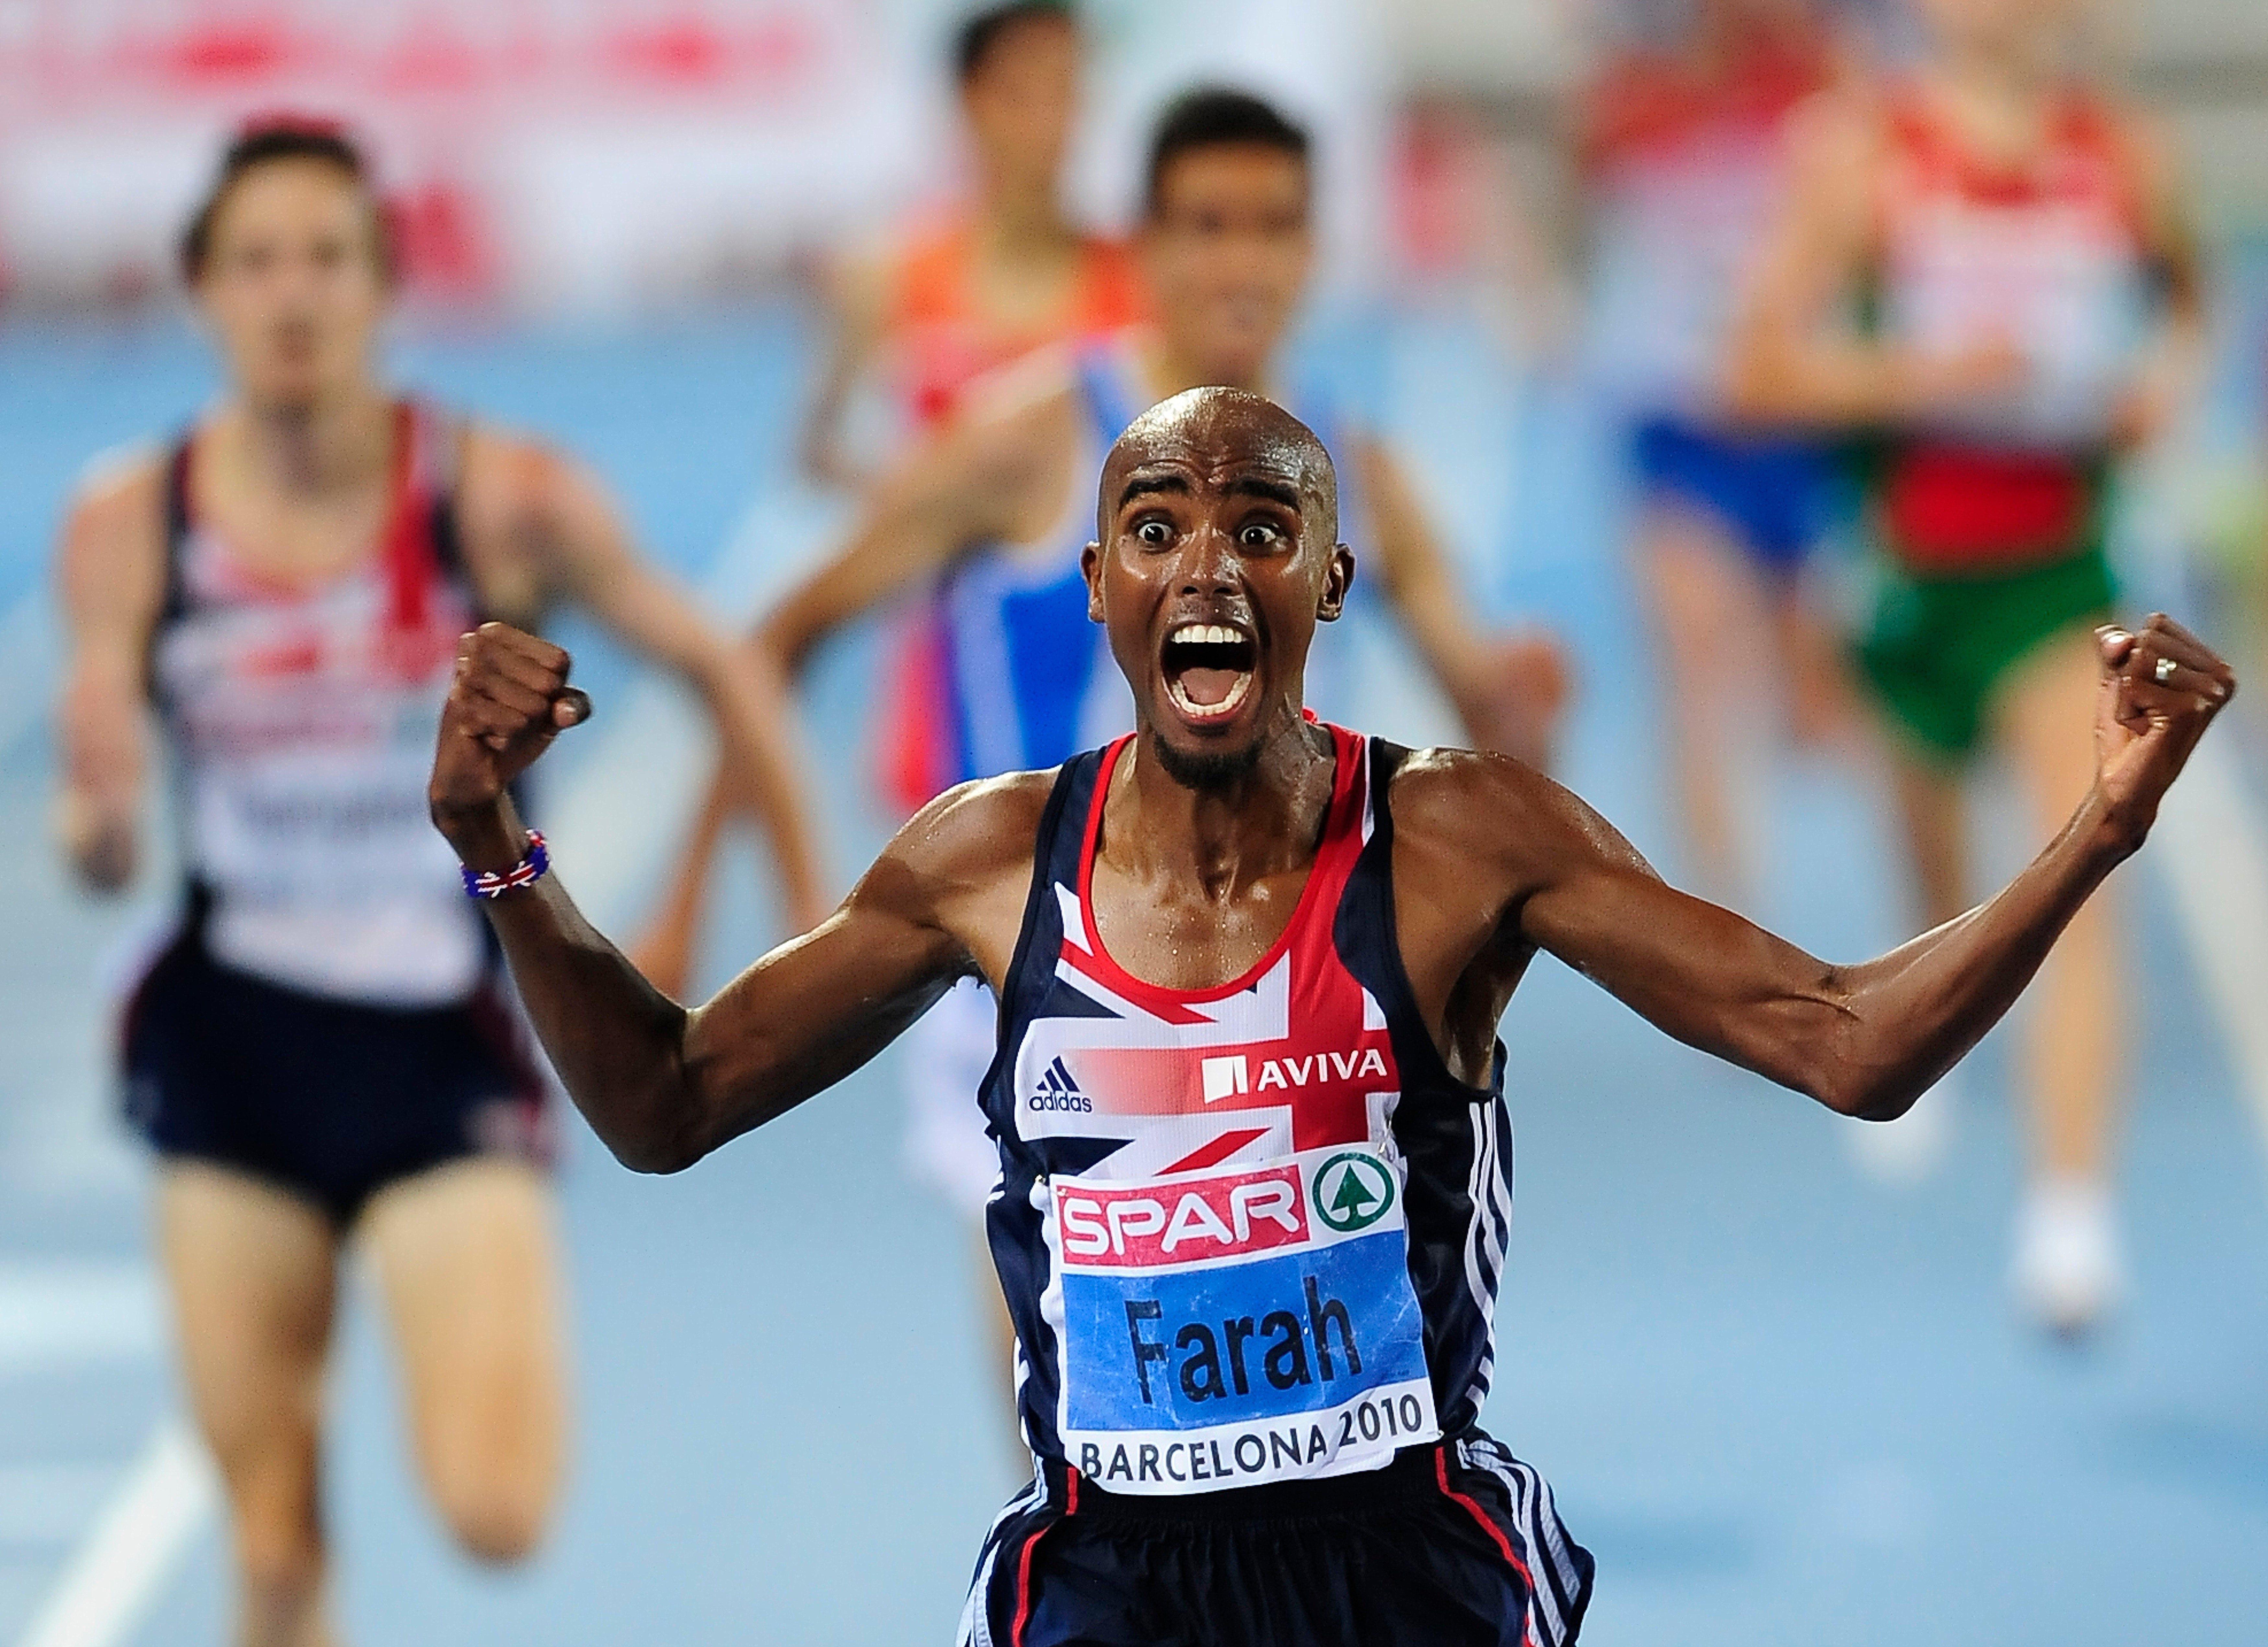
(1205, 635)
(1227, 706)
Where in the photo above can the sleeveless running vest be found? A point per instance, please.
(2049, 258)
(302, 720)
(1251, 1233)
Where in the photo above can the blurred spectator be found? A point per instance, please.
(2018, 244)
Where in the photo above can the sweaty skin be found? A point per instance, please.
(1215, 510)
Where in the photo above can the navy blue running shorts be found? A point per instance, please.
(1454, 1545)
(331, 1100)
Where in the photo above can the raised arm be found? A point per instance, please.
(1865, 1040)
(663, 1085)
(1508, 689)
(110, 574)
(557, 516)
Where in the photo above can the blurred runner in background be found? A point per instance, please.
(328, 1047)
(2017, 244)
(997, 505)
(1681, 143)
(997, 276)
(965, 293)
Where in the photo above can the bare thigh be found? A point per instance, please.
(467, 1262)
(252, 1272)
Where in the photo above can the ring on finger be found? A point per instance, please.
(2165, 670)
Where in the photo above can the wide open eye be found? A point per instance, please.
(1259, 535)
(1154, 533)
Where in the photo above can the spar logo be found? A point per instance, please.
(1136, 1228)
(1352, 1190)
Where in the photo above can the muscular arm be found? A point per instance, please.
(663, 1085)
(110, 574)
(1864, 1040)
(559, 516)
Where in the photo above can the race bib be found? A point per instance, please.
(1229, 1328)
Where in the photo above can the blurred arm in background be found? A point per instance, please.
(856, 290)
(538, 524)
(1508, 689)
(110, 576)
(985, 475)
(2174, 365)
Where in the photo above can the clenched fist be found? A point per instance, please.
(2162, 687)
(509, 699)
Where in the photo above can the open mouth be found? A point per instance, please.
(1208, 669)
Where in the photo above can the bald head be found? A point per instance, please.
(1211, 433)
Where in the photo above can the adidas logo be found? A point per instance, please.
(1058, 1091)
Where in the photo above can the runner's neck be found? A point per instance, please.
(1167, 369)
(309, 453)
(1020, 229)
(1224, 839)
(2000, 105)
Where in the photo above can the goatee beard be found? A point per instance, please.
(1209, 769)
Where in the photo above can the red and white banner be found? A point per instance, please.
(584, 156)
(577, 154)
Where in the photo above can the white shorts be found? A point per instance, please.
(944, 1058)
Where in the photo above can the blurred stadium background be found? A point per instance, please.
(1780, 1401)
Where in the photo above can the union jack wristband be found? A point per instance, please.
(526, 872)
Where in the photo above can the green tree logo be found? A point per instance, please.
(1352, 1190)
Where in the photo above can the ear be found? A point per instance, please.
(1339, 577)
(1090, 567)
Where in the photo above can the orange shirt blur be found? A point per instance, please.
(941, 343)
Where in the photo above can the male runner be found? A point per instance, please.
(328, 1047)
(993, 507)
(1249, 1102)
(2021, 246)
(1681, 146)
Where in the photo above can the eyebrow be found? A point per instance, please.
(1151, 486)
(1243, 486)
(1260, 486)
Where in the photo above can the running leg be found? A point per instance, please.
(2067, 1269)
(253, 1271)
(668, 949)
(466, 1259)
(1936, 826)
(2047, 716)
(1711, 619)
